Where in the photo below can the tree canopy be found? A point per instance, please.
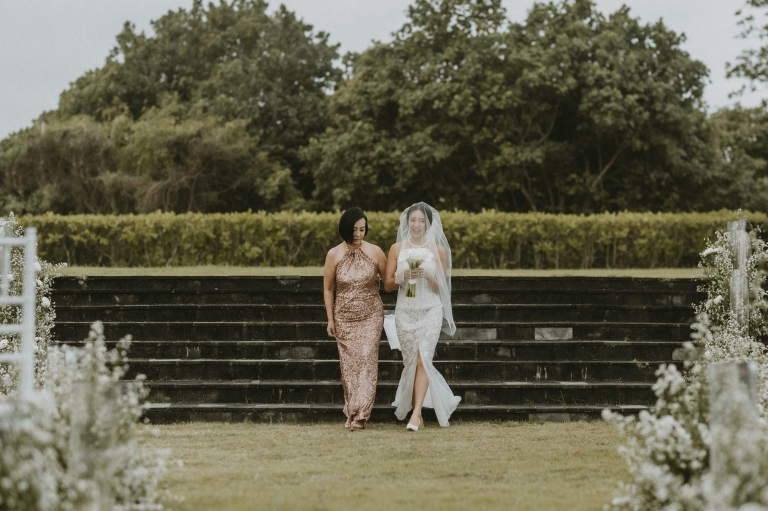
(226, 107)
(571, 111)
(752, 63)
(206, 114)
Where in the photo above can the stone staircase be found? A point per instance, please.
(255, 348)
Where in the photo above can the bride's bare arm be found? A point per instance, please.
(443, 258)
(389, 277)
(431, 278)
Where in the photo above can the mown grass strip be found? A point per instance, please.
(477, 466)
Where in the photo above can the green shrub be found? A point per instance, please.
(489, 239)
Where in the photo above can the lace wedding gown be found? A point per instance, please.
(418, 321)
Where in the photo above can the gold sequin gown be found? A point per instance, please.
(359, 317)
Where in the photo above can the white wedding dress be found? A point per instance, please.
(419, 320)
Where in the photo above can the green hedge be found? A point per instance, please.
(478, 240)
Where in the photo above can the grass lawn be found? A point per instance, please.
(665, 273)
(471, 466)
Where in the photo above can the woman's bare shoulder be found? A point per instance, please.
(373, 251)
(335, 252)
(395, 248)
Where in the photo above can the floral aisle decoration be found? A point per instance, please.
(717, 265)
(44, 317)
(78, 446)
(667, 449)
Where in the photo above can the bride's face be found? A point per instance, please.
(417, 223)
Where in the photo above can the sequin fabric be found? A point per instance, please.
(359, 317)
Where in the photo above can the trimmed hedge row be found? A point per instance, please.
(478, 240)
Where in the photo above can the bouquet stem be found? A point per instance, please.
(410, 290)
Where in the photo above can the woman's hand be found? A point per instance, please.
(331, 329)
(416, 273)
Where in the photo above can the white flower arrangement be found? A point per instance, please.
(44, 315)
(717, 267)
(667, 449)
(415, 257)
(711, 250)
(78, 444)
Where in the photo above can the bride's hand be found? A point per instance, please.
(417, 273)
(331, 329)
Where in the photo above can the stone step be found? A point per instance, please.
(296, 283)
(256, 348)
(448, 350)
(509, 330)
(308, 290)
(160, 413)
(296, 312)
(563, 297)
(472, 393)
(389, 370)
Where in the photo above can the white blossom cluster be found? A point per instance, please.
(738, 479)
(44, 314)
(78, 445)
(668, 448)
(717, 266)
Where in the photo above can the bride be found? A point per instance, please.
(419, 264)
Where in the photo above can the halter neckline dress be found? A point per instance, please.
(358, 313)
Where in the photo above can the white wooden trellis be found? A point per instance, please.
(26, 300)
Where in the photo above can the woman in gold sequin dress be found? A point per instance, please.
(355, 313)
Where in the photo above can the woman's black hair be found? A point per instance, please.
(420, 206)
(347, 223)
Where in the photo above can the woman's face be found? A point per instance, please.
(358, 232)
(417, 223)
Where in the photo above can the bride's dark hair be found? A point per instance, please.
(347, 223)
(420, 206)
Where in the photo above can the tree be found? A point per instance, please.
(740, 136)
(263, 78)
(158, 162)
(202, 164)
(752, 64)
(226, 107)
(64, 167)
(569, 112)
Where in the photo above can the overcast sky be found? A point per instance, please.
(46, 44)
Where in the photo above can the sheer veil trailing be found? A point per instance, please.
(435, 238)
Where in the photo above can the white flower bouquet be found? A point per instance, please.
(415, 258)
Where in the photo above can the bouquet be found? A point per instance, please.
(415, 258)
